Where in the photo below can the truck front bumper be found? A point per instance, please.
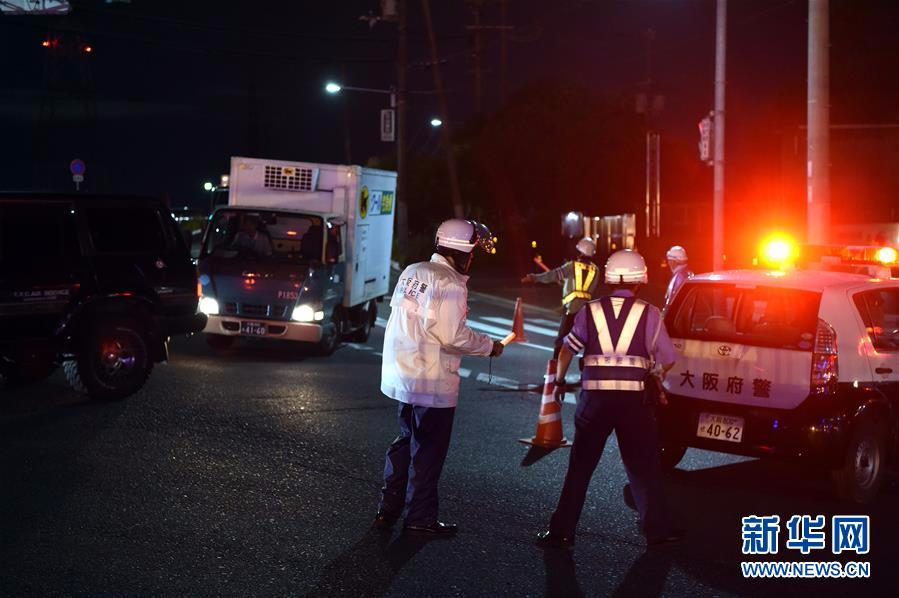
(276, 329)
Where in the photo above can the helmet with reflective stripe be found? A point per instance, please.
(463, 235)
(677, 254)
(626, 267)
(586, 246)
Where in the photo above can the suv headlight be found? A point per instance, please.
(208, 306)
(306, 313)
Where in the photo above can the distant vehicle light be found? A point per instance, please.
(304, 313)
(88, 49)
(209, 306)
(534, 244)
(292, 233)
(886, 255)
(207, 186)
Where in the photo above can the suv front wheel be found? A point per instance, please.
(860, 476)
(112, 361)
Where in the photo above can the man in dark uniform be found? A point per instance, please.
(621, 337)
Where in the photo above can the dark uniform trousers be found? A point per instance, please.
(598, 414)
(415, 461)
(565, 324)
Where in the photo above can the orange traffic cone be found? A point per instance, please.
(549, 423)
(518, 323)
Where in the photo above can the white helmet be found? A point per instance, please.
(626, 267)
(463, 235)
(677, 254)
(586, 246)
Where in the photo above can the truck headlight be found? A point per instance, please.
(208, 306)
(303, 313)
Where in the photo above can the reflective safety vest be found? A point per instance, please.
(624, 358)
(583, 275)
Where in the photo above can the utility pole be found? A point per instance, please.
(402, 207)
(817, 171)
(718, 256)
(458, 208)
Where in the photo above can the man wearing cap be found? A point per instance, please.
(621, 338)
(680, 272)
(579, 280)
(425, 340)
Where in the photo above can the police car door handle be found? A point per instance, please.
(884, 370)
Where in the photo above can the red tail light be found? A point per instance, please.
(825, 365)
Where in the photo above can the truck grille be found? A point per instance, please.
(256, 310)
(288, 178)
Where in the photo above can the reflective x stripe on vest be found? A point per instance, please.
(617, 368)
(583, 276)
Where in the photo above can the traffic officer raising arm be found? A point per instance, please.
(579, 281)
(616, 335)
(425, 340)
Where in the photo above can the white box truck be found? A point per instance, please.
(301, 252)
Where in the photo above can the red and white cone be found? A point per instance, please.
(549, 423)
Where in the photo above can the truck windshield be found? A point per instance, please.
(265, 235)
(761, 316)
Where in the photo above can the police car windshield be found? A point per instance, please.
(762, 316)
(264, 235)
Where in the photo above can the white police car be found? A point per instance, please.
(788, 363)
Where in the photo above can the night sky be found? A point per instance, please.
(172, 89)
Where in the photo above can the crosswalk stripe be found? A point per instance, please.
(527, 327)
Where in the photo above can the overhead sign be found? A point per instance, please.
(388, 125)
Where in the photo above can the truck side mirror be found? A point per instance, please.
(332, 251)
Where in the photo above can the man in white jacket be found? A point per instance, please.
(425, 340)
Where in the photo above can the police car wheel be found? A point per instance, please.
(670, 456)
(859, 479)
(112, 362)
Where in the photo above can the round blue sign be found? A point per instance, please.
(77, 166)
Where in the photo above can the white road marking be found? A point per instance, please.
(527, 327)
(553, 324)
(464, 372)
(499, 332)
(499, 381)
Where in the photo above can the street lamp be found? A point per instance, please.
(207, 186)
(436, 122)
(332, 87)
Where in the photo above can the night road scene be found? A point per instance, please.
(449, 298)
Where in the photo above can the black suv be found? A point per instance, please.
(95, 283)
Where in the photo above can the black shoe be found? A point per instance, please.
(629, 497)
(438, 528)
(675, 535)
(548, 539)
(384, 521)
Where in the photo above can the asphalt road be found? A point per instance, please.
(256, 473)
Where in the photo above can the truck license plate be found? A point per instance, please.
(720, 427)
(252, 328)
